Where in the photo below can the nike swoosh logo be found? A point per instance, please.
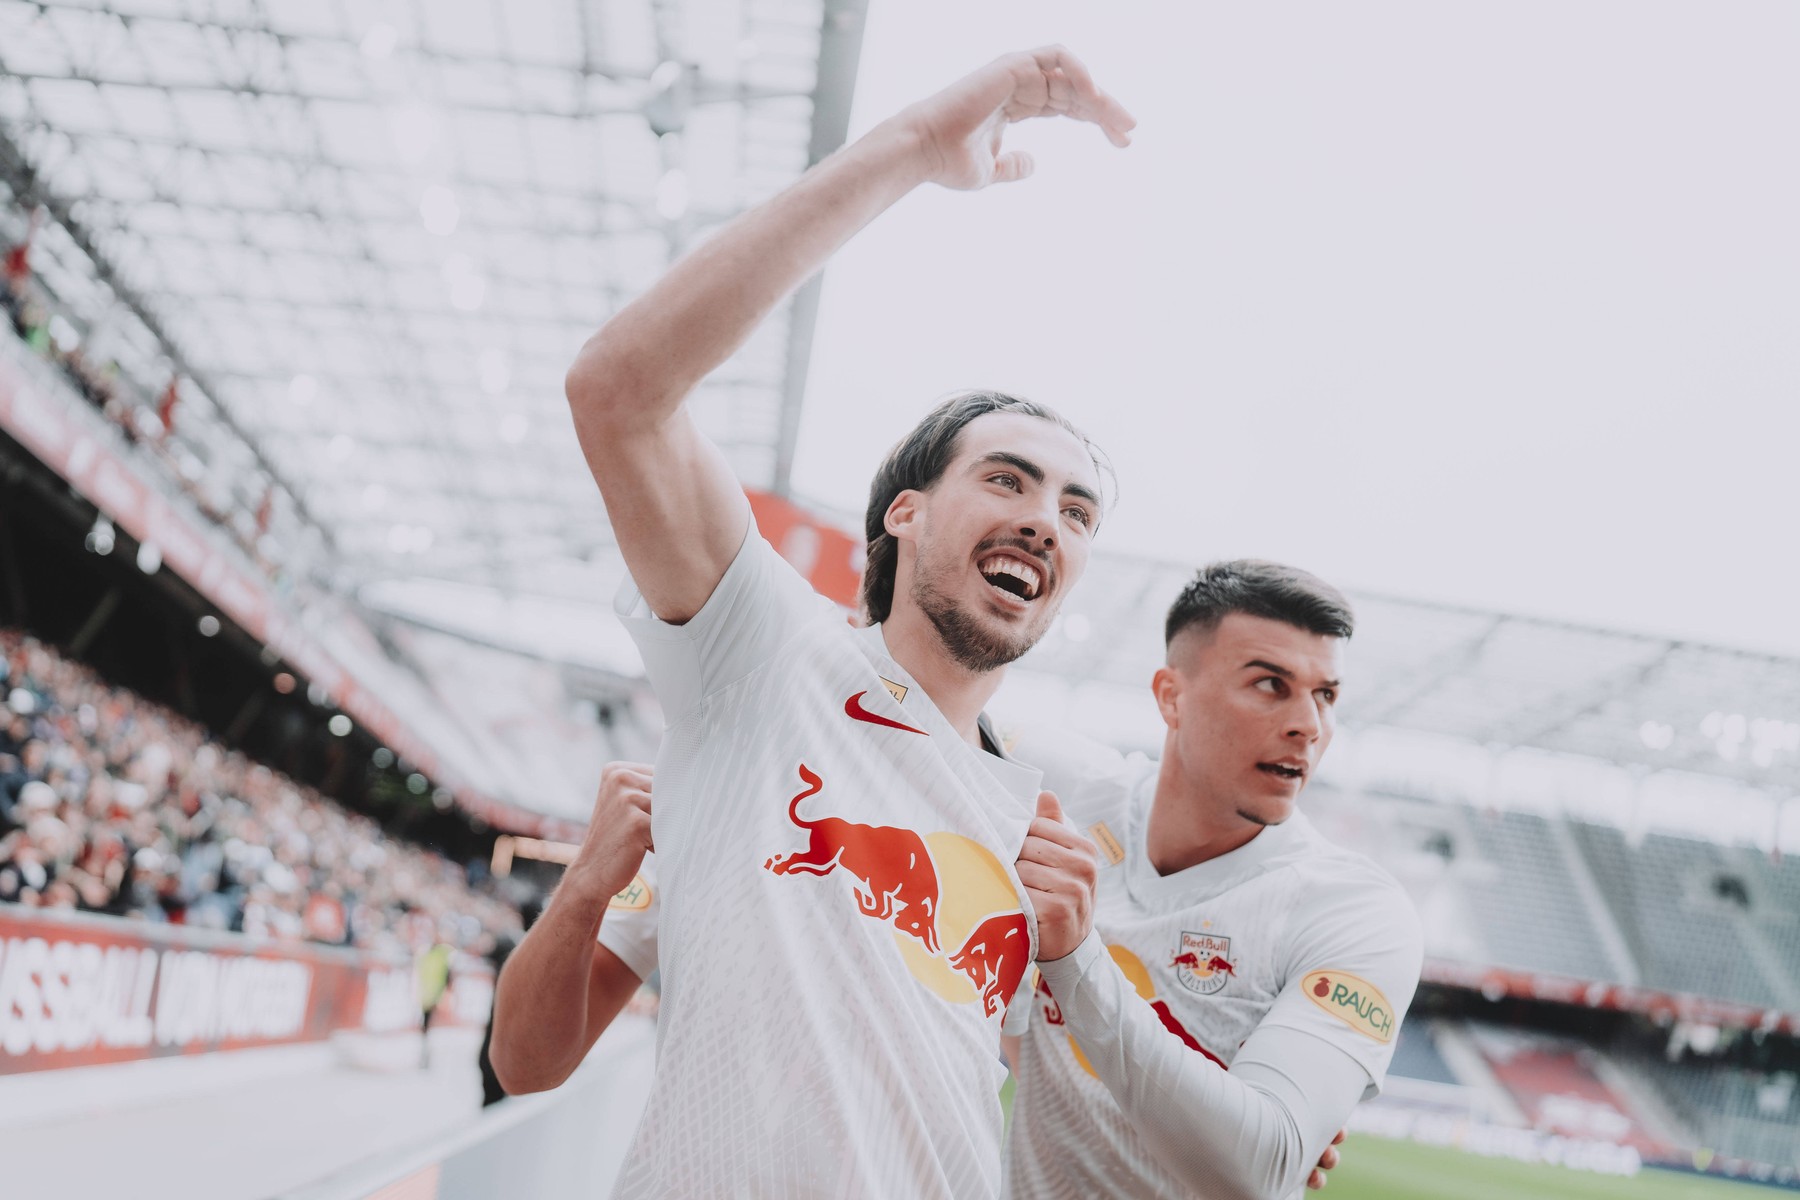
(855, 711)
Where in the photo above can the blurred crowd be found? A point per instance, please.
(112, 804)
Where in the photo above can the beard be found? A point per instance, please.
(972, 643)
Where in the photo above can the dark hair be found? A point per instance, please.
(916, 463)
(1259, 588)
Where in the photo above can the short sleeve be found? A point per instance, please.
(1354, 965)
(758, 604)
(629, 927)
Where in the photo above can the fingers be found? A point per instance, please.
(1048, 808)
(1042, 877)
(1074, 92)
(1329, 1159)
(1044, 830)
(1316, 1180)
(1339, 1139)
(1013, 166)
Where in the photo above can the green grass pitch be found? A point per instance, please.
(1379, 1169)
(1382, 1169)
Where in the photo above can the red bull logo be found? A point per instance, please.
(1052, 1010)
(994, 958)
(895, 877)
(1203, 962)
(936, 889)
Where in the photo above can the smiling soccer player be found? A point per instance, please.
(1245, 979)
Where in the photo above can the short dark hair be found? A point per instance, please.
(1259, 588)
(918, 462)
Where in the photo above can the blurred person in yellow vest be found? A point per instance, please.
(432, 969)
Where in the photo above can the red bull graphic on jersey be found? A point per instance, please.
(1203, 962)
(938, 889)
(895, 876)
(1139, 975)
(994, 958)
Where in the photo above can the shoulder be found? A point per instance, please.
(1084, 773)
(1340, 890)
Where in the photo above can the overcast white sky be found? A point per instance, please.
(1496, 304)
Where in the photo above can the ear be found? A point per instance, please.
(1165, 685)
(904, 514)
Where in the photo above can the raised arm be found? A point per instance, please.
(560, 989)
(675, 507)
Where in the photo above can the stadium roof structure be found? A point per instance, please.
(368, 240)
(1484, 679)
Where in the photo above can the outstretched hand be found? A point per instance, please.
(962, 127)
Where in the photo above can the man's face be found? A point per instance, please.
(1000, 538)
(1251, 707)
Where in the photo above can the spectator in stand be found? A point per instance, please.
(112, 804)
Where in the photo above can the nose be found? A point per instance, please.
(1306, 722)
(1030, 527)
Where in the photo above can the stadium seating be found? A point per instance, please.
(1553, 1081)
(115, 805)
(1684, 939)
(1739, 1113)
(1531, 915)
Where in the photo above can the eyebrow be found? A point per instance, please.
(1026, 467)
(1283, 671)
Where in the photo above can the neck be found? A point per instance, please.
(959, 693)
(1188, 825)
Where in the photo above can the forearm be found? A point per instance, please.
(637, 369)
(541, 999)
(1250, 1134)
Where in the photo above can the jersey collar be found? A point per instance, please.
(1208, 878)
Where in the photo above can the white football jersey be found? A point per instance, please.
(834, 911)
(1287, 930)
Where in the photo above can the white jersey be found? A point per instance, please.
(836, 915)
(1288, 930)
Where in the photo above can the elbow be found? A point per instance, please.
(521, 1078)
(596, 384)
(617, 387)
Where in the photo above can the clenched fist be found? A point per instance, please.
(618, 834)
(1059, 869)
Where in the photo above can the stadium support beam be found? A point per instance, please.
(1547, 719)
(840, 51)
(22, 178)
(1391, 706)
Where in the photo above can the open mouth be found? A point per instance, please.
(1018, 579)
(1281, 770)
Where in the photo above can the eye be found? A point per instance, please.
(1005, 479)
(1275, 685)
(1329, 695)
(1079, 515)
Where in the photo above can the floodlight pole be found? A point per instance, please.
(840, 51)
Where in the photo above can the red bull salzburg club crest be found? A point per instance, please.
(1203, 963)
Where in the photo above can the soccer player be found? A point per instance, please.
(851, 868)
(1234, 935)
(1244, 980)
